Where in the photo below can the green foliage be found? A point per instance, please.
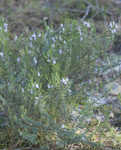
(37, 78)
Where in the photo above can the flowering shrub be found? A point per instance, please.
(37, 77)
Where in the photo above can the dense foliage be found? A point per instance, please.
(38, 77)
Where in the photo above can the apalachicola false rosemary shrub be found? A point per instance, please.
(37, 76)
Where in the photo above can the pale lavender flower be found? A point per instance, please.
(49, 86)
(70, 91)
(39, 35)
(61, 25)
(15, 38)
(80, 32)
(87, 24)
(60, 51)
(81, 38)
(113, 27)
(1, 54)
(38, 74)
(18, 59)
(60, 38)
(113, 24)
(37, 86)
(53, 39)
(31, 91)
(22, 90)
(63, 29)
(113, 31)
(62, 126)
(65, 80)
(35, 60)
(5, 27)
(79, 29)
(34, 36)
(45, 18)
(36, 100)
(64, 42)
(54, 61)
(48, 60)
(30, 38)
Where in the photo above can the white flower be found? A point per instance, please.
(60, 38)
(36, 100)
(70, 91)
(79, 29)
(35, 60)
(62, 126)
(49, 86)
(113, 27)
(30, 38)
(63, 29)
(48, 60)
(37, 86)
(64, 42)
(65, 81)
(34, 36)
(39, 35)
(113, 31)
(83, 138)
(5, 27)
(88, 120)
(54, 61)
(61, 25)
(53, 39)
(15, 38)
(22, 90)
(38, 74)
(74, 113)
(80, 32)
(1, 54)
(87, 24)
(18, 59)
(81, 38)
(100, 118)
(45, 18)
(60, 51)
(31, 91)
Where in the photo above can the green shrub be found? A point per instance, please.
(37, 79)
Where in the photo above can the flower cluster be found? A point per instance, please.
(113, 27)
(65, 81)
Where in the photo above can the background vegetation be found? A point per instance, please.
(49, 54)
